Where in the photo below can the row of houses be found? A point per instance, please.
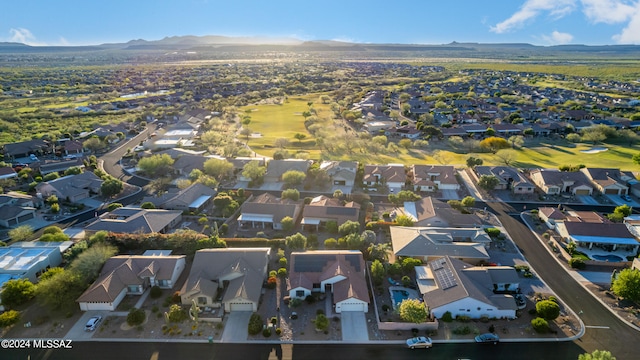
(585, 181)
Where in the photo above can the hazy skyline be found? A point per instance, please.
(539, 22)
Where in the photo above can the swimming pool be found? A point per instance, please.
(609, 258)
(399, 295)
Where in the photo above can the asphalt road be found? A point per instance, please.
(111, 160)
(604, 330)
(200, 351)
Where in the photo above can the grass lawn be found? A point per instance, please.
(286, 120)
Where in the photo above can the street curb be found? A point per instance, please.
(579, 282)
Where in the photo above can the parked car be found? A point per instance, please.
(521, 301)
(626, 197)
(419, 342)
(92, 323)
(488, 338)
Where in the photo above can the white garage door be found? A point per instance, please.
(241, 307)
(353, 306)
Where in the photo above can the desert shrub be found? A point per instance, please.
(310, 299)
(540, 325)
(136, 317)
(177, 313)
(547, 309)
(155, 309)
(447, 317)
(266, 332)
(255, 324)
(8, 318)
(273, 320)
(493, 232)
(175, 298)
(577, 263)
(463, 318)
(463, 330)
(155, 292)
(272, 282)
(278, 331)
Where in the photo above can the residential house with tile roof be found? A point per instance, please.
(25, 148)
(17, 208)
(323, 209)
(196, 197)
(430, 178)
(393, 176)
(428, 243)
(509, 178)
(72, 188)
(607, 236)
(556, 182)
(136, 220)
(131, 275)
(231, 278)
(342, 174)
(432, 212)
(609, 181)
(267, 211)
(339, 272)
(451, 285)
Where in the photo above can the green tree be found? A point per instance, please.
(473, 161)
(111, 187)
(488, 182)
(287, 224)
(494, 144)
(377, 272)
(147, 205)
(296, 242)
(412, 310)
(409, 264)
(293, 178)
(349, 227)
(292, 194)
(300, 137)
(547, 309)
(136, 317)
(156, 165)
(619, 213)
(378, 252)
(597, 355)
(636, 158)
(9, 318)
(60, 291)
(17, 292)
(218, 168)
(507, 156)
(21, 233)
(354, 241)
(627, 285)
(177, 314)
(404, 220)
(468, 201)
(94, 144)
(321, 322)
(89, 263)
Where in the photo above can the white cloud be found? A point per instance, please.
(22, 35)
(631, 33)
(531, 9)
(558, 38)
(608, 11)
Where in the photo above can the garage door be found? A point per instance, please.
(241, 307)
(611, 191)
(355, 306)
(582, 192)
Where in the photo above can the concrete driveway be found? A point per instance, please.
(586, 199)
(236, 328)
(354, 326)
(77, 331)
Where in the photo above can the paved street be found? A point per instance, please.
(608, 328)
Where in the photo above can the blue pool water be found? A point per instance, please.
(610, 258)
(399, 296)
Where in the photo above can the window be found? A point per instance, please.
(299, 293)
(316, 285)
(202, 300)
(163, 283)
(133, 288)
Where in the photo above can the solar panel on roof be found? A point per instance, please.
(341, 211)
(354, 260)
(444, 275)
(312, 263)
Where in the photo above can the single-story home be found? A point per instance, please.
(428, 243)
(267, 211)
(555, 182)
(228, 278)
(323, 209)
(131, 275)
(454, 286)
(136, 220)
(339, 272)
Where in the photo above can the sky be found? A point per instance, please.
(538, 22)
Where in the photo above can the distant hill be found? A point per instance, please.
(214, 43)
